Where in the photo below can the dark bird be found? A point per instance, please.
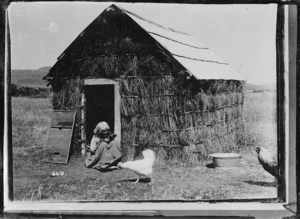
(268, 161)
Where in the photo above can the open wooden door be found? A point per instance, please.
(60, 137)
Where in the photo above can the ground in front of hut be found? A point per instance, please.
(171, 182)
(31, 121)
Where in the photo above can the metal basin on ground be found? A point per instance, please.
(225, 159)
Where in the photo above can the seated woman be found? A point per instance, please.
(105, 150)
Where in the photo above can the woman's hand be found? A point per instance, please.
(94, 142)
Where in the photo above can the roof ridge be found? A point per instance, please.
(149, 21)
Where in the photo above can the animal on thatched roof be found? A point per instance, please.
(143, 167)
(268, 161)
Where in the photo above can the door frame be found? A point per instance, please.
(117, 100)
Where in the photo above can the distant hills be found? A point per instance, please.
(260, 87)
(44, 69)
(30, 78)
(34, 78)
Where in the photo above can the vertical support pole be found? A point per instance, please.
(286, 42)
(117, 111)
(2, 94)
(291, 53)
(83, 134)
(7, 156)
(281, 99)
(298, 111)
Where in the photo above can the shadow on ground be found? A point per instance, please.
(210, 165)
(142, 180)
(261, 183)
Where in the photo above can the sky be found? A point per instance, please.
(243, 35)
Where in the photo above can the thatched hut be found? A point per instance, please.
(156, 87)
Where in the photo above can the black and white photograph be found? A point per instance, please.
(143, 102)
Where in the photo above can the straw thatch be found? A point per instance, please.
(161, 114)
(179, 118)
(163, 106)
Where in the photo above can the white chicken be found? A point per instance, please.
(268, 161)
(143, 167)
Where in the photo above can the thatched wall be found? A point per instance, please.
(179, 123)
(163, 107)
(179, 117)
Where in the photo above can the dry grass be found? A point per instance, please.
(260, 120)
(172, 182)
(31, 121)
(177, 181)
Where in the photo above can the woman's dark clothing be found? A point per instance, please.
(107, 152)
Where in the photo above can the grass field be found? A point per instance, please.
(260, 120)
(31, 122)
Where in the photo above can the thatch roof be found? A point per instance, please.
(195, 57)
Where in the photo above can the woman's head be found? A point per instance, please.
(102, 130)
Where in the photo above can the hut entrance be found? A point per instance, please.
(99, 107)
(102, 103)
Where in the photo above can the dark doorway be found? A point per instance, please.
(99, 107)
